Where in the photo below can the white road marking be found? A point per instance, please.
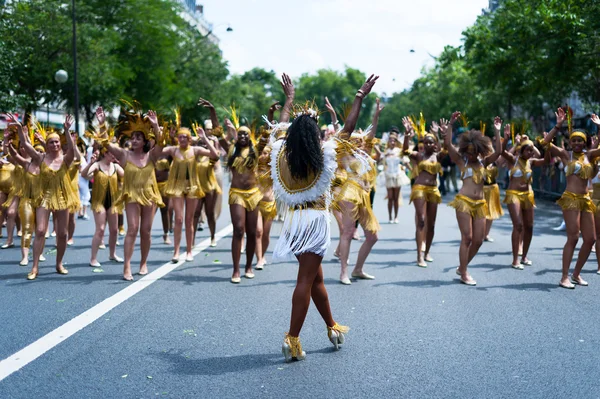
(38, 348)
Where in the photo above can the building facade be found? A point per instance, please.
(193, 13)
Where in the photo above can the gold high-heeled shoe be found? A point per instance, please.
(62, 270)
(292, 348)
(336, 334)
(32, 275)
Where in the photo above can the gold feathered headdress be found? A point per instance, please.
(308, 108)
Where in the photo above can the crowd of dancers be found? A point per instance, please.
(295, 170)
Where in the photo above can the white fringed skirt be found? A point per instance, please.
(303, 231)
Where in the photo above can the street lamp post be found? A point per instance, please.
(75, 81)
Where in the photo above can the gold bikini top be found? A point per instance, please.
(479, 175)
(579, 167)
(431, 167)
(243, 163)
(492, 173)
(522, 169)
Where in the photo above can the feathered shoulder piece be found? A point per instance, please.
(277, 129)
(316, 188)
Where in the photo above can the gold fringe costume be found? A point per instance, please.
(576, 202)
(428, 193)
(491, 193)
(73, 172)
(357, 188)
(183, 177)
(494, 209)
(56, 192)
(579, 167)
(139, 186)
(431, 167)
(249, 199)
(206, 173)
(525, 198)
(17, 180)
(6, 180)
(105, 191)
(474, 207)
(30, 191)
(162, 165)
(267, 209)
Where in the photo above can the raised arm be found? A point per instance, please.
(157, 150)
(498, 148)
(510, 158)
(213, 113)
(211, 152)
(274, 107)
(446, 130)
(408, 135)
(36, 157)
(350, 122)
(594, 152)
(333, 114)
(290, 92)
(90, 168)
(70, 154)
(371, 136)
(16, 157)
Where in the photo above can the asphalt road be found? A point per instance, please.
(414, 332)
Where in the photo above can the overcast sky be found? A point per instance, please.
(375, 36)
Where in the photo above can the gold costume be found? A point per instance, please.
(73, 173)
(491, 194)
(162, 165)
(206, 173)
(362, 211)
(6, 180)
(428, 193)
(479, 175)
(139, 186)
(525, 198)
(56, 190)
(267, 209)
(576, 202)
(474, 207)
(30, 191)
(183, 177)
(433, 168)
(105, 191)
(249, 199)
(17, 180)
(579, 167)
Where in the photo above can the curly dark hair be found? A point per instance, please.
(303, 147)
(482, 145)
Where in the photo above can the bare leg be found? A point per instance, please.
(571, 218)
(238, 219)
(70, 228)
(41, 219)
(420, 217)
(61, 223)
(390, 204)
(363, 252)
(515, 215)
(11, 216)
(465, 225)
(597, 226)
(310, 264)
(190, 207)
(527, 217)
(478, 236)
(147, 217)
(178, 204)
(432, 208)
(113, 232)
(347, 230)
(133, 211)
(587, 233)
(259, 239)
(100, 220)
(251, 223)
(321, 298)
(396, 193)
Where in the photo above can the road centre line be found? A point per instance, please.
(31, 352)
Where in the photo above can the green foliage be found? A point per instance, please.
(524, 54)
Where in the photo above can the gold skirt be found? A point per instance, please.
(525, 198)
(162, 186)
(268, 210)
(475, 207)
(361, 210)
(249, 199)
(576, 202)
(493, 209)
(428, 193)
